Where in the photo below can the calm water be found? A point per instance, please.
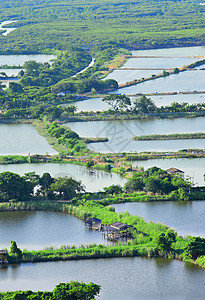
(92, 104)
(10, 72)
(187, 98)
(39, 229)
(96, 104)
(120, 134)
(182, 82)
(93, 183)
(123, 76)
(167, 58)
(185, 217)
(120, 278)
(160, 62)
(16, 60)
(194, 168)
(8, 30)
(173, 52)
(22, 139)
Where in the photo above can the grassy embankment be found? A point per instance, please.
(144, 242)
(175, 136)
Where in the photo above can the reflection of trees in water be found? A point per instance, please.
(7, 218)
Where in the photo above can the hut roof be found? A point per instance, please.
(174, 171)
(118, 226)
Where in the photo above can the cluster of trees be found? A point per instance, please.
(195, 248)
(68, 63)
(145, 105)
(72, 290)
(40, 83)
(14, 187)
(89, 23)
(154, 180)
(85, 85)
(67, 137)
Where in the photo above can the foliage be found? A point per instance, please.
(195, 248)
(144, 105)
(117, 102)
(164, 240)
(156, 180)
(72, 290)
(66, 188)
(14, 187)
(113, 189)
(15, 254)
(90, 23)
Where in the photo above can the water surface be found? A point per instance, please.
(187, 218)
(22, 139)
(120, 134)
(39, 229)
(172, 52)
(137, 278)
(6, 30)
(183, 82)
(19, 60)
(159, 62)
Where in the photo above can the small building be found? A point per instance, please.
(117, 231)
(3, 256)
(93, 223)
(64, 93)
(175, 171)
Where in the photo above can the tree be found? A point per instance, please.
(45, 182)
(195, 248)
(144, 105)
(13, 186)
(15, 87)
(33, 178)
(32, 68)
(135, 183)
(76, 291)
(113, 189)
(117, 101)
(15, 253)
(175, 70)
(153, 184)
(66, 187)
(164, 240)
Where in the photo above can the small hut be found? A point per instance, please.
(93, 223)
(3, 256)
(175, 171)
(117, 231)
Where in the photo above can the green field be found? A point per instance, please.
(57, 24)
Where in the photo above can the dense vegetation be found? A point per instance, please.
(73, 290)
(14, 187)
(150, 185)
(55, 24)
(174, 136)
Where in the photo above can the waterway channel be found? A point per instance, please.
(21, 139)
(187, 218)
(120, 134)
(120, 278)
(40, 229)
